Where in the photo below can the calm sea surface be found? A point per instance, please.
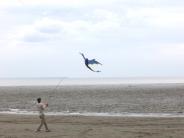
(85, 81)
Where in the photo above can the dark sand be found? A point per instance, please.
(23, 126)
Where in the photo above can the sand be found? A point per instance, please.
(23, 126)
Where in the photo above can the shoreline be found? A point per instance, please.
(135, 115)
(21, 126)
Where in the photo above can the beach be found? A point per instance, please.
(153, 110)
(23, 126)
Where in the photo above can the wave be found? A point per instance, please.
(24, 112)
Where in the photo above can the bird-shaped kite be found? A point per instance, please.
(88, 62)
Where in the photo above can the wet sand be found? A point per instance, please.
(23, 126)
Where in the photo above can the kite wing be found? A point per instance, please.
(93, 61)
(92, 69)
(82, 55)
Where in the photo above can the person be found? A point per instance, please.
(41, 107)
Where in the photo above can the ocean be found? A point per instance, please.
(88, 81)
(154, 97)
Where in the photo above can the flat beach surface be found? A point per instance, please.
(23, 126)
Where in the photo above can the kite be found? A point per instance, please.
(88, 62)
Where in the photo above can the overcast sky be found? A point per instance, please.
(131, 38)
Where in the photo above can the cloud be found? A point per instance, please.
(172, 52)
(117, 22)
(128, 36)
(40, 31)
(142, 25)
(159, 17)
(49, 28)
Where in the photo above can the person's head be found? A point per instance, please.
(39, 100)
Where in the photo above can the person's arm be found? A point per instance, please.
(44, 105)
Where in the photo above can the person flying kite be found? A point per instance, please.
(88, 62)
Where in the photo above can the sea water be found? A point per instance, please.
(157, 97)
(87, 81)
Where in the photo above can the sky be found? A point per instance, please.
(131, 38)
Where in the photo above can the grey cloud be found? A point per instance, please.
(50, 29)
(130, 30)
(34, 38)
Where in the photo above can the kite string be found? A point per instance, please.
(50, 96)
(57, 85)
